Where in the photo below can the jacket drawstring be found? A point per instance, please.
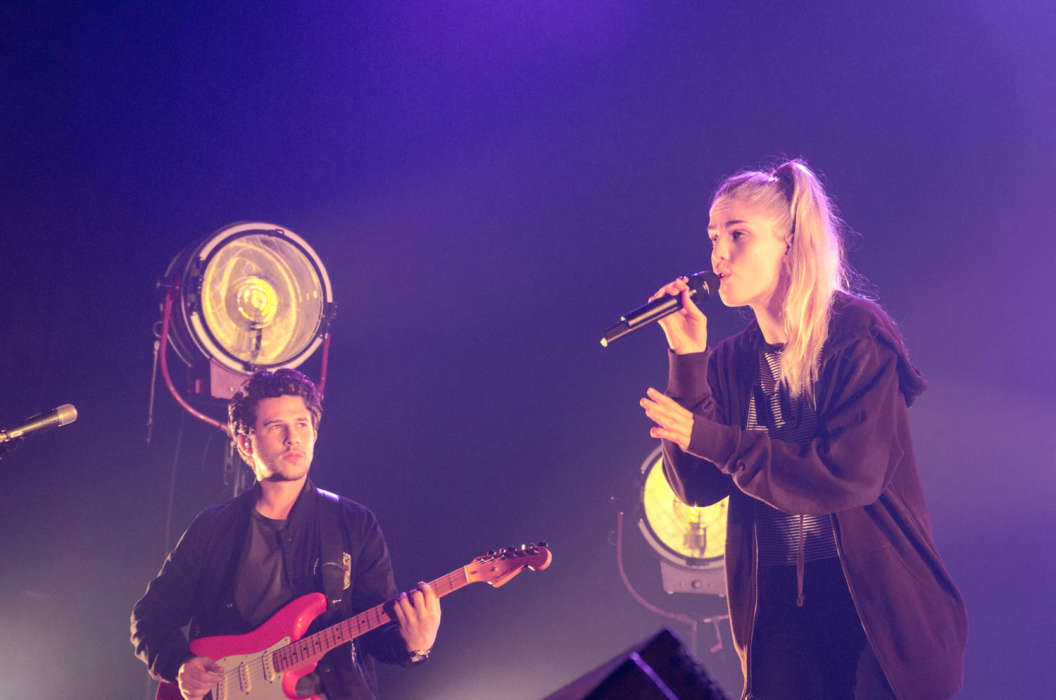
(800, 559)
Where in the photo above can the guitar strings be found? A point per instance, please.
(232, 675)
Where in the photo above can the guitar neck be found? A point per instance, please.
(313, 647)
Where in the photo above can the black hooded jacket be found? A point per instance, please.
(859, 467)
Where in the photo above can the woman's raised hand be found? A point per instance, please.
(687, 328)
(673, 422)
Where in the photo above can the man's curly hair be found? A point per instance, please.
(242, 408)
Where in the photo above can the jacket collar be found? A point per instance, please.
(860, 316)
(304, 507)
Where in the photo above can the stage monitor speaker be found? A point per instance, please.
(658, 668)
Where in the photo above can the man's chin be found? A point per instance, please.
(278, 477)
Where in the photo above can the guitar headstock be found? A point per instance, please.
(498, 567)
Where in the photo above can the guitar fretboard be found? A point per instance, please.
(311, 648)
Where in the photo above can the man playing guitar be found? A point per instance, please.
(241, 561)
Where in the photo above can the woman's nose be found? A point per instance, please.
(718, 252)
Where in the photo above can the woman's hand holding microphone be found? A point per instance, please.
(687, 332)
(687, 328)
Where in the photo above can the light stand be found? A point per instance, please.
(690, 541)
(251, 296)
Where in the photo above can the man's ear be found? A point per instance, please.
(245, 445)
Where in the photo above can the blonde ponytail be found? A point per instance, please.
(815, 264)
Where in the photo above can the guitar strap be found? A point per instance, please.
(332, 551)
(337, 679)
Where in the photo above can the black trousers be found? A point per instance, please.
(815, 652)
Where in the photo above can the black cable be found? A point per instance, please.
(172, 483)
(151, 686)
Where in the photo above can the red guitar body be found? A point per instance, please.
(232, 651)
(266, 664)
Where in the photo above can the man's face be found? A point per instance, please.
(283, 439)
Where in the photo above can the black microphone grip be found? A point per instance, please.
(701, 286)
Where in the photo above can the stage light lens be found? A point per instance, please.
(694, 533)
(256, 300)
(263, 297)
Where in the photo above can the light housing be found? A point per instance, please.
(690, 540)
(251, 296)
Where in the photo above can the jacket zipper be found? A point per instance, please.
(755, 611)
(800, 566)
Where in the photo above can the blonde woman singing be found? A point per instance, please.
(834, 584)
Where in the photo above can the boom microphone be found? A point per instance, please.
(701, 286)
(63, 415)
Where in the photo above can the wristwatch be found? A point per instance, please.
(417, 656)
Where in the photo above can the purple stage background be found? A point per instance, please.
(490, 185)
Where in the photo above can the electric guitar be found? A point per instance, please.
(265, 664)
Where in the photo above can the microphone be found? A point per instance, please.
(63, 415)
(701, 286)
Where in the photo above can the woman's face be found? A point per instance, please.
(747, 253)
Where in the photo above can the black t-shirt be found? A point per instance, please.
(262, 586)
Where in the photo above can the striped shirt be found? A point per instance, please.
(770, 409)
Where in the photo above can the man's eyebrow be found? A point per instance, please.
(271, 421)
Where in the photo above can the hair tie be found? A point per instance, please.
(786, 179)
(783, 173)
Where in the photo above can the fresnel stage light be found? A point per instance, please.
(690, 540)
(251, 296)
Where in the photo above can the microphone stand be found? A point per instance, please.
(8, 444)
